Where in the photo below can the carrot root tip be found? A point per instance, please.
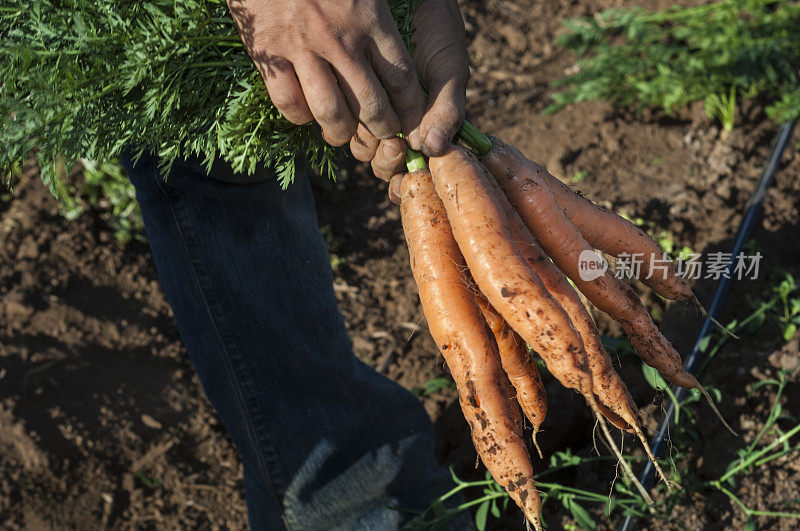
(671, 485)
(714, 408)
(704, 313)
(537, 523)
(536, 444)
(626, 467)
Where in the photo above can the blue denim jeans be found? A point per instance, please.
(326, 442)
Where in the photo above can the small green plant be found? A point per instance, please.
(431, 386)
(489, 499)
(107, 188)
(753, 456)
(579, 176)
(782, 308)
(657, 382)
(678, 253)
(721, 54)
(493, 498)
(334, 244)
(722, 107)
(790, 317)
(765, 309)
(146, 480)
(664, 238)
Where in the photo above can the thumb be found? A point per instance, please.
(442, 63)
(444, 115)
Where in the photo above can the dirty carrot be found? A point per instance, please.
(522, 181)
(501, 272)
(481, 229)
(520, 368)
(613, 399)
(457, 326)
(617, 236)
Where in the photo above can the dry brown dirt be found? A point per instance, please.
(103, 422)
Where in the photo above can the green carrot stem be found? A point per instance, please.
(474, 139)
(469, 134)
(415, 161)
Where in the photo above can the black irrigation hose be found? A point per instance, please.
(752, 215)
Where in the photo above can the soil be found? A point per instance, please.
(104, 424)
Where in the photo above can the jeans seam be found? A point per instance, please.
(251, 427)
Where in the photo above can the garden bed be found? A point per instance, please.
(103, 422)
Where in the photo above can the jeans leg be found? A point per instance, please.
(326, 441)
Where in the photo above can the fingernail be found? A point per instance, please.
(435, 141)
(413, 139)
(390, 150)
(395, 189)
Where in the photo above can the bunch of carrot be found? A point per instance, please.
(493, 240)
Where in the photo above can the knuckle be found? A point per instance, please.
(347, 129)
(318, 23)
(386, 166)
(329, 110)
(380, 171)
(338, 132)
(365, 140)
(371, 110)
(297, 117)
(401, 78)
(360, 148)
(333, 138)
(275, 65)
(324, 34)
(358, 152)
(284, 101)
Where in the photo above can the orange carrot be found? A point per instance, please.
(609, 388)
(520, 368)
(458, 328)
(617, 236)
(480, 227)
(613, 399)
(527, 191)
(514, 409)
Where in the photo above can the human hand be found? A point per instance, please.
(441, 61)
(338, 62)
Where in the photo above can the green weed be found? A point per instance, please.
(664, 238)
(579, 176)
(431, 386)
(334, 244)
(148, 481)
(107, 189)
(721, 54)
